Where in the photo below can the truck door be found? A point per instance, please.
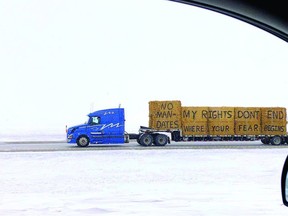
(96, 132)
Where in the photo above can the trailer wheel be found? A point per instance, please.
(146, 140)
(276, 140)
(265, 140)
(83, 141)
(161, 140)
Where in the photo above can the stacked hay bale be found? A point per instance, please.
(217, 121)
(220, 121)
(273, 120)
(247, 121)
(194, 121)
(165, 115)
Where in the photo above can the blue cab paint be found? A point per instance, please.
(103, 127)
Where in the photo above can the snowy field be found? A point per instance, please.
(25, 136)
(143, 182)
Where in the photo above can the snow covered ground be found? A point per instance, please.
(143, 182)
(23, 136)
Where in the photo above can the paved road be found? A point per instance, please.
(62, 146)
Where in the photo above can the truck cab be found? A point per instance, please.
(103, 127)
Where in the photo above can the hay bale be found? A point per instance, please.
(192, 114)
(273, 114)
(246, 127)
(195, 128)
(275, 128)
(165, 115)
(273, 120)
(221, 128)
(247, 114)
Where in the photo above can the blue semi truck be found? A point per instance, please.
(108, 127)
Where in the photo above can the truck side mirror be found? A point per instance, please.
(284, 183)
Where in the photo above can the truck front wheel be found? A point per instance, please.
(146, 140)
(83, 141)
(161, 140)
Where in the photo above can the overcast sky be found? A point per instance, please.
(59, 60)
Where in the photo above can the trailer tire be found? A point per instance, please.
(276, 140)
(146, 140)
(265, 140)
(161, 140)
(83, 141)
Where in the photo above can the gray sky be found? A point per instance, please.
(61, 59)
